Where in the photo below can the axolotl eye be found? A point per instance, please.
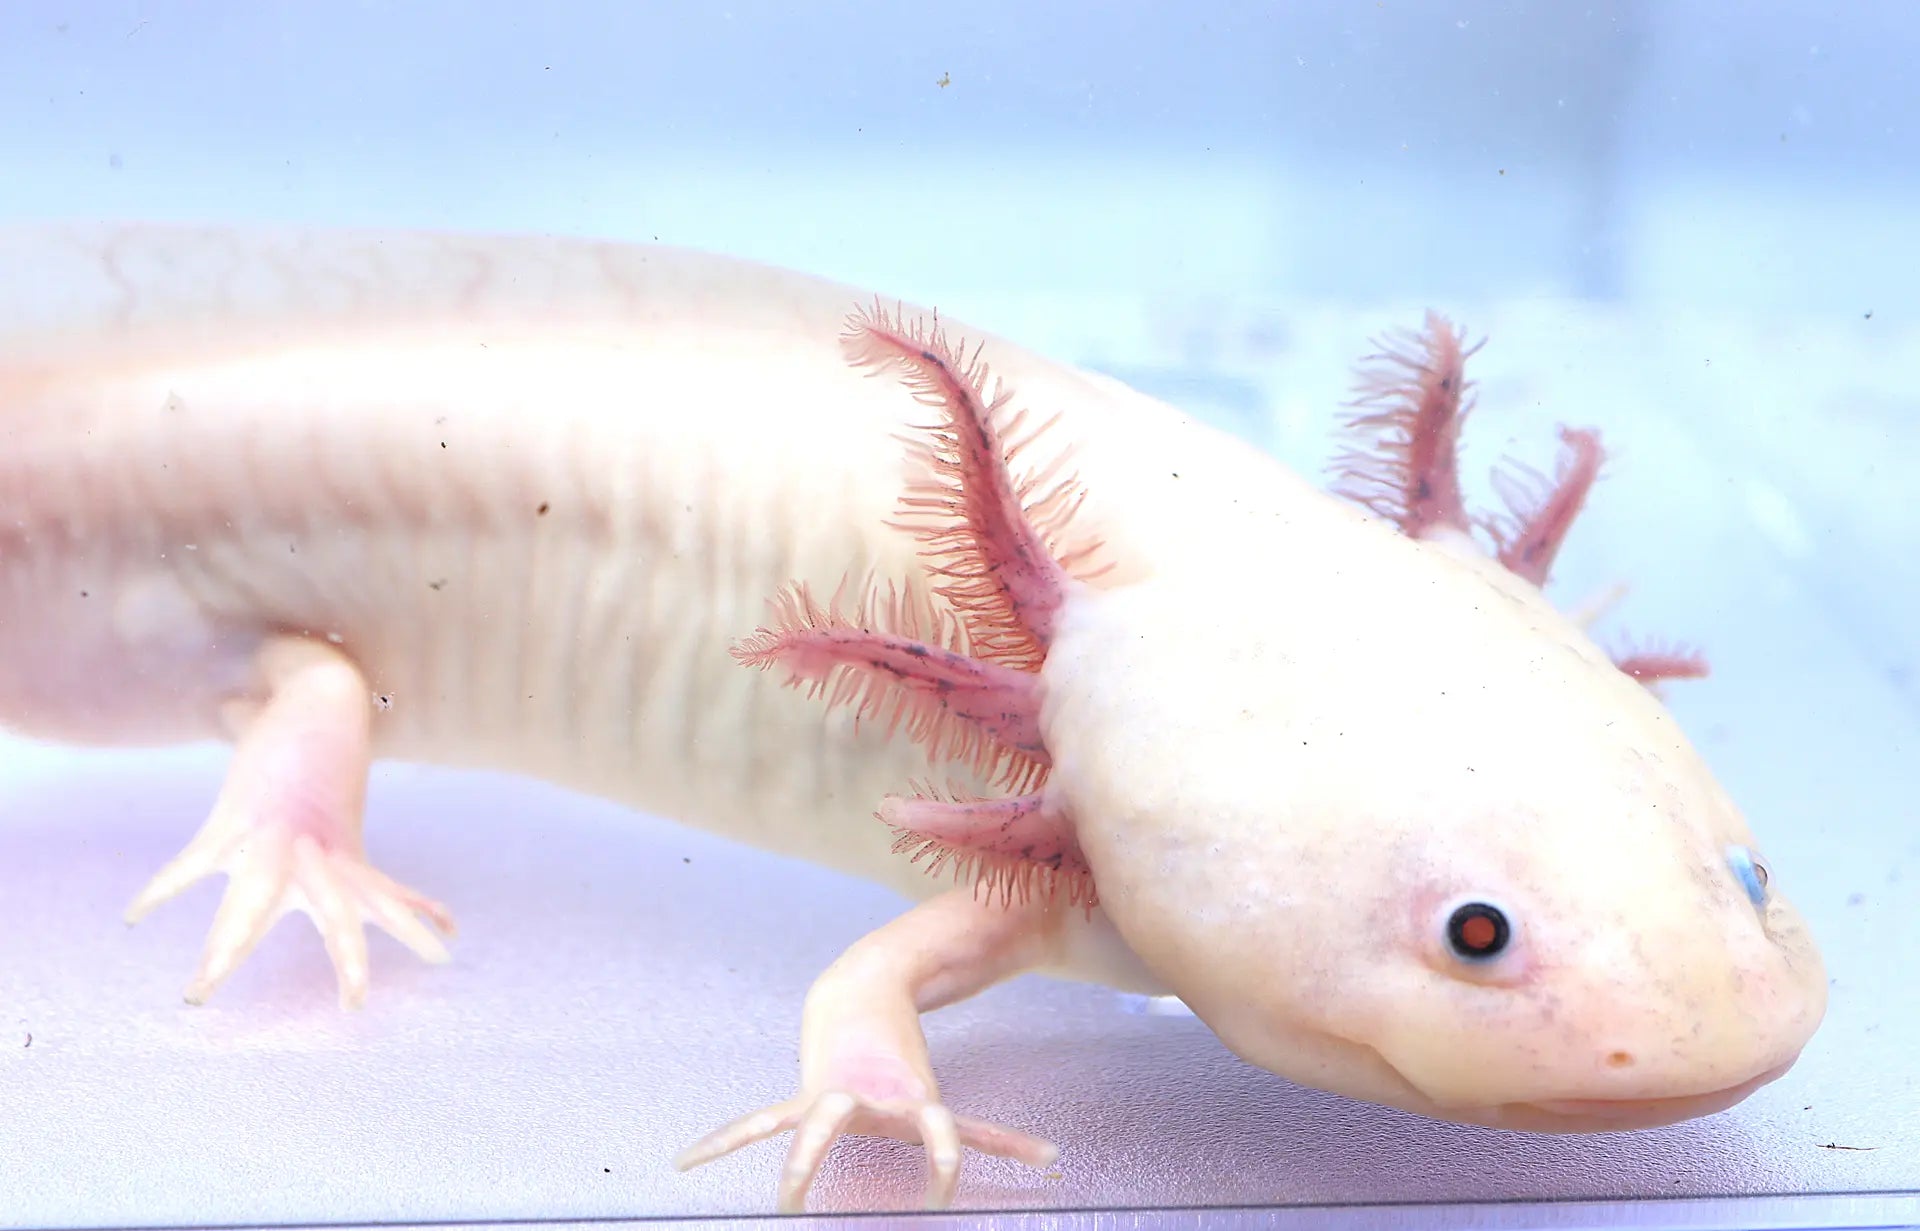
(1751, 871)
(1478, 931)
(1474, 937)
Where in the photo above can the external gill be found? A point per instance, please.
(1402, 463)
(958, 669)
(1403, 460)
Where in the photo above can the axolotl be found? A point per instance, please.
(1109, 693)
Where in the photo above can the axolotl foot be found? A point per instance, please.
(864, 1067)
(286, 829)
(868, 1103)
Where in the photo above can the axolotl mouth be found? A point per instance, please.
(1624, 1114)
(1383, 1083)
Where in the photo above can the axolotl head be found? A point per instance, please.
(1393, 827)
(1386, 820)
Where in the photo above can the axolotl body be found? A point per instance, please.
(1327, 766)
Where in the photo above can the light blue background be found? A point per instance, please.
(1758, 154)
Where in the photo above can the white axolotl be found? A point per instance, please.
(1332, 771)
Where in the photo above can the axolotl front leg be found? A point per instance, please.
(963, 680)
(285, 828)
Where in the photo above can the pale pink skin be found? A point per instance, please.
(516, 503)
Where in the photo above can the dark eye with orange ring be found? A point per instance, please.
(1477, 932)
